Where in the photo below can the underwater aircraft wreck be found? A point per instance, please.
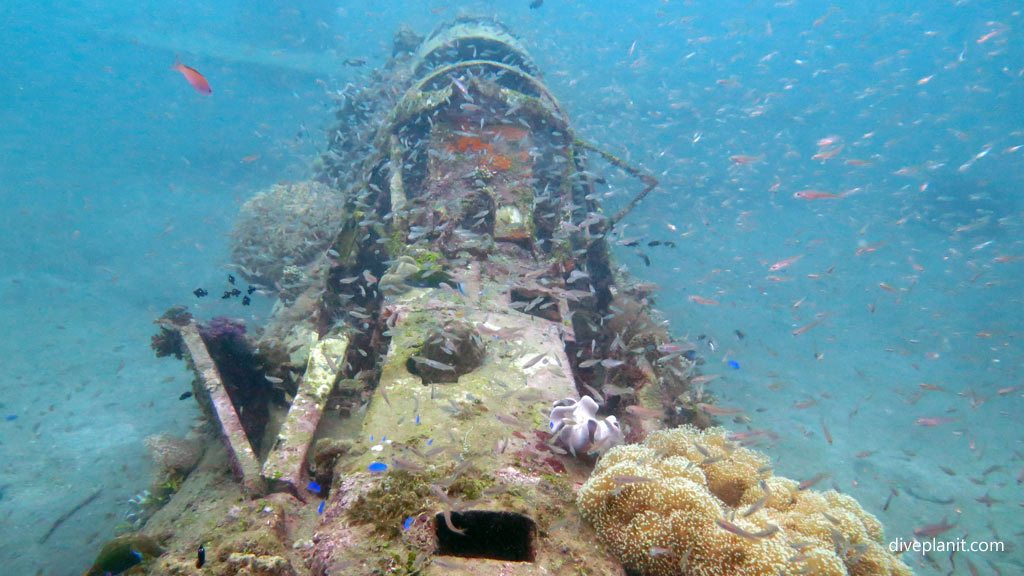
(455, 377)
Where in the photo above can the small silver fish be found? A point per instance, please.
(533, 303)
(500, 446)
(730, 527)
(403, 464)
(532, 361)
(506, 419)
(433, 364)
(755, 507)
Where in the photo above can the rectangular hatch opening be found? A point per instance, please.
(488, 534)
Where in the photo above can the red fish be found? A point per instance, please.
(194, 78)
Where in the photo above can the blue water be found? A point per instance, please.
(119, 185)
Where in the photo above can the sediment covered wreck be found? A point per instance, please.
(451, 352)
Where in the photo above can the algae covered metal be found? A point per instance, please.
(446, 298)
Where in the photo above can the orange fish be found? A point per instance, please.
(821, 20)
(811, 482)
(717, 411)
(741, 159)
(933, 421)
(987, 37)
(828, 154)
(783, 263)
(194, 78)
(703, 301)
(869, 248)
(814, 195)
(805, 328)
(643, 412)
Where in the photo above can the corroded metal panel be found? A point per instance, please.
(240, 453)
(285, 464)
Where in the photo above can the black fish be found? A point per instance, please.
(536, 4)
(231, 279)
(669, 243)
(647, 261)
(199, 292)
(200, 556)
(654, 243)
(235, 292)
(740, 334)
(246, 300)
(250, 289)
(185, 395)
(226, 295)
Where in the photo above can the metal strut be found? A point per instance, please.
(644, 177)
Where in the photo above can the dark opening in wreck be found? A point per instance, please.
(487, 534)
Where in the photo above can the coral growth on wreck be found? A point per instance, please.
(575, 425)
(691, 502)
(124, 553)
(287, 225)
(172, 454)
